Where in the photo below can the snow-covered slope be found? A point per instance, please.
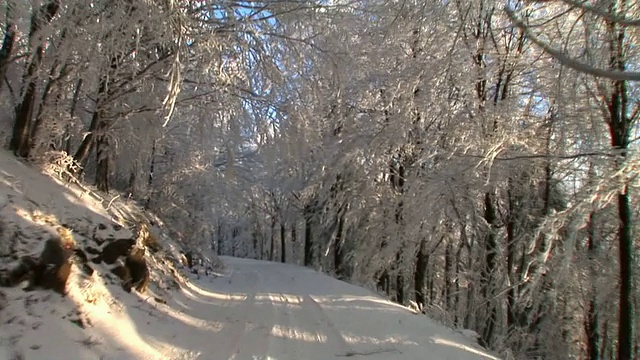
(250, 310)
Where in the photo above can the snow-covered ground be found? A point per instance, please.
(255, 310)
(250, 310)
(263, 310)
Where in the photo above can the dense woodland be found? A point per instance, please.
(476, 159)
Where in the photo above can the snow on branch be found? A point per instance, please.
(619, 19)
(565, 60)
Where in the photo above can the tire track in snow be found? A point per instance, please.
(303, 330)
(255, 343)
(315, 314)
(310, 313)
(284, 335)
(226, 344)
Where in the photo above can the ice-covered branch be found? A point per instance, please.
(568, 61)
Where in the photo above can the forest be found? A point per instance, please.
(474, 159)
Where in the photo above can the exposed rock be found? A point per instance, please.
(121, 271)
(54, 278)
(50, 270)
(137, 270)
(92, 250)
(54, 265)
(114, 250)
(19, 273)
(80, 259)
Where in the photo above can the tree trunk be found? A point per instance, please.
(308, 236)
(50, 88)
(400, 287)
(456, 284)
(152, 169)
(220, 240)
(283, 243)
(448, 270)
(514, 217)
(21, 139)
(605, 347)
(431, 285)
(233, 242)
(82, 154)
(294, 243)
(470, 291)
(511, 256)
(272, 238)
(97, 128)
(383, 282)
(72, 114)
(592, 320)
(338, 249)
(261, 247)
(7, 43)
(420, 274)
(254, 240)
(103, 158)
(619, 127)
(400, 225)
(625, 327)
(491, 252)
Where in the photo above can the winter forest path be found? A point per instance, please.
(252, 310)
(262, 310)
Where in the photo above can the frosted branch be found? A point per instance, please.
(567, 61)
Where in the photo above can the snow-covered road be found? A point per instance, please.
(262, 310)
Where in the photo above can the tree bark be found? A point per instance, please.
(103, 158)
(511, 258)
(308, 235)
(491, 252)
(50, 88)
(152, 169)
(400, 281)
(470, 291)
(384, 282)
(272, 238)
(456, 286)
(398, 185)
(420, 274)
(338, 249)
(448, 270)
(619, 128)
(592, 319)
(220, 240)
(7, 43)
(21, 139)
(82, 154)
(294, 242)
(283, 242)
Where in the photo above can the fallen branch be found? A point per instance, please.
(111, 202)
